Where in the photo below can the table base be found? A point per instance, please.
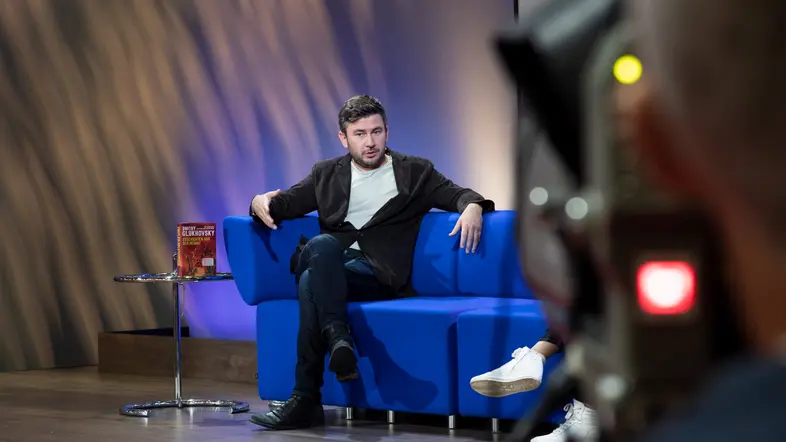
(143, 410)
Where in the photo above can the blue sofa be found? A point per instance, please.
(415, 354)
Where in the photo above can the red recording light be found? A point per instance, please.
(666, 287)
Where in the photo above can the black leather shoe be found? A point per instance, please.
(297, 412)
(343, 361)
(272, 405)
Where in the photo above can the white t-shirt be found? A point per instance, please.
(369, 191)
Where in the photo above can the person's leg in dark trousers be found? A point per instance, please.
(331, 277)
(328, 277)
(524, 372)
(549, 345)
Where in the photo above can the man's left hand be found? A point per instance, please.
(470, 223)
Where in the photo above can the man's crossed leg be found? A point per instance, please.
(524, 372)
(328, 277)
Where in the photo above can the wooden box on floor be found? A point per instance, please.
(152, 353)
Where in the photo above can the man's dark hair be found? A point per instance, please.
(359, 107)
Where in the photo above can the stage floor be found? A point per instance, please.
(80, 404)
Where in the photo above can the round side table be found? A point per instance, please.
(143, 410)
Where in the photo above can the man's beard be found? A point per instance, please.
(360, 160)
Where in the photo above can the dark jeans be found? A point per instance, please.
(550, 337)
(328, 278)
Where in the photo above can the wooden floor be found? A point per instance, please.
(82, 405)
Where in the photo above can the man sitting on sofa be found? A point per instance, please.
(370, 204)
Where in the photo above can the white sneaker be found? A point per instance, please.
(522, 373)
(580, 423)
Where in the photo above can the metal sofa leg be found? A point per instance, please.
(350, 413)
(495, 425)
(452, 422)
(391, 417)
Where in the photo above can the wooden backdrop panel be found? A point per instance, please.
(120, 118)
(105, 104)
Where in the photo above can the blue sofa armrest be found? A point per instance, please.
(259, 257)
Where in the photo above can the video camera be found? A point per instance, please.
(647, 315)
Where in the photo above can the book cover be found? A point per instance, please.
(196, 249)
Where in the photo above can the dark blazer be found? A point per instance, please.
(388, 239)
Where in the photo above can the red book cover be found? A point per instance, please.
(196, 249)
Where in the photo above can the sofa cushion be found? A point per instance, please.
(260, 258)
(486, 339)
(406, 347)
(434, 260)
(493, 270)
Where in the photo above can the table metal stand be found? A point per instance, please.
(143, 410)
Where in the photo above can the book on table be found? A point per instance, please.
(196, 249)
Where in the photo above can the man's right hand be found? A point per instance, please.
(260, 205)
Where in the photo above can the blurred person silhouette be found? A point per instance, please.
(524, 372)
(370, 204)
(709, 119)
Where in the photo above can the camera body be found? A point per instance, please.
(660, 267)
(647, 316)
